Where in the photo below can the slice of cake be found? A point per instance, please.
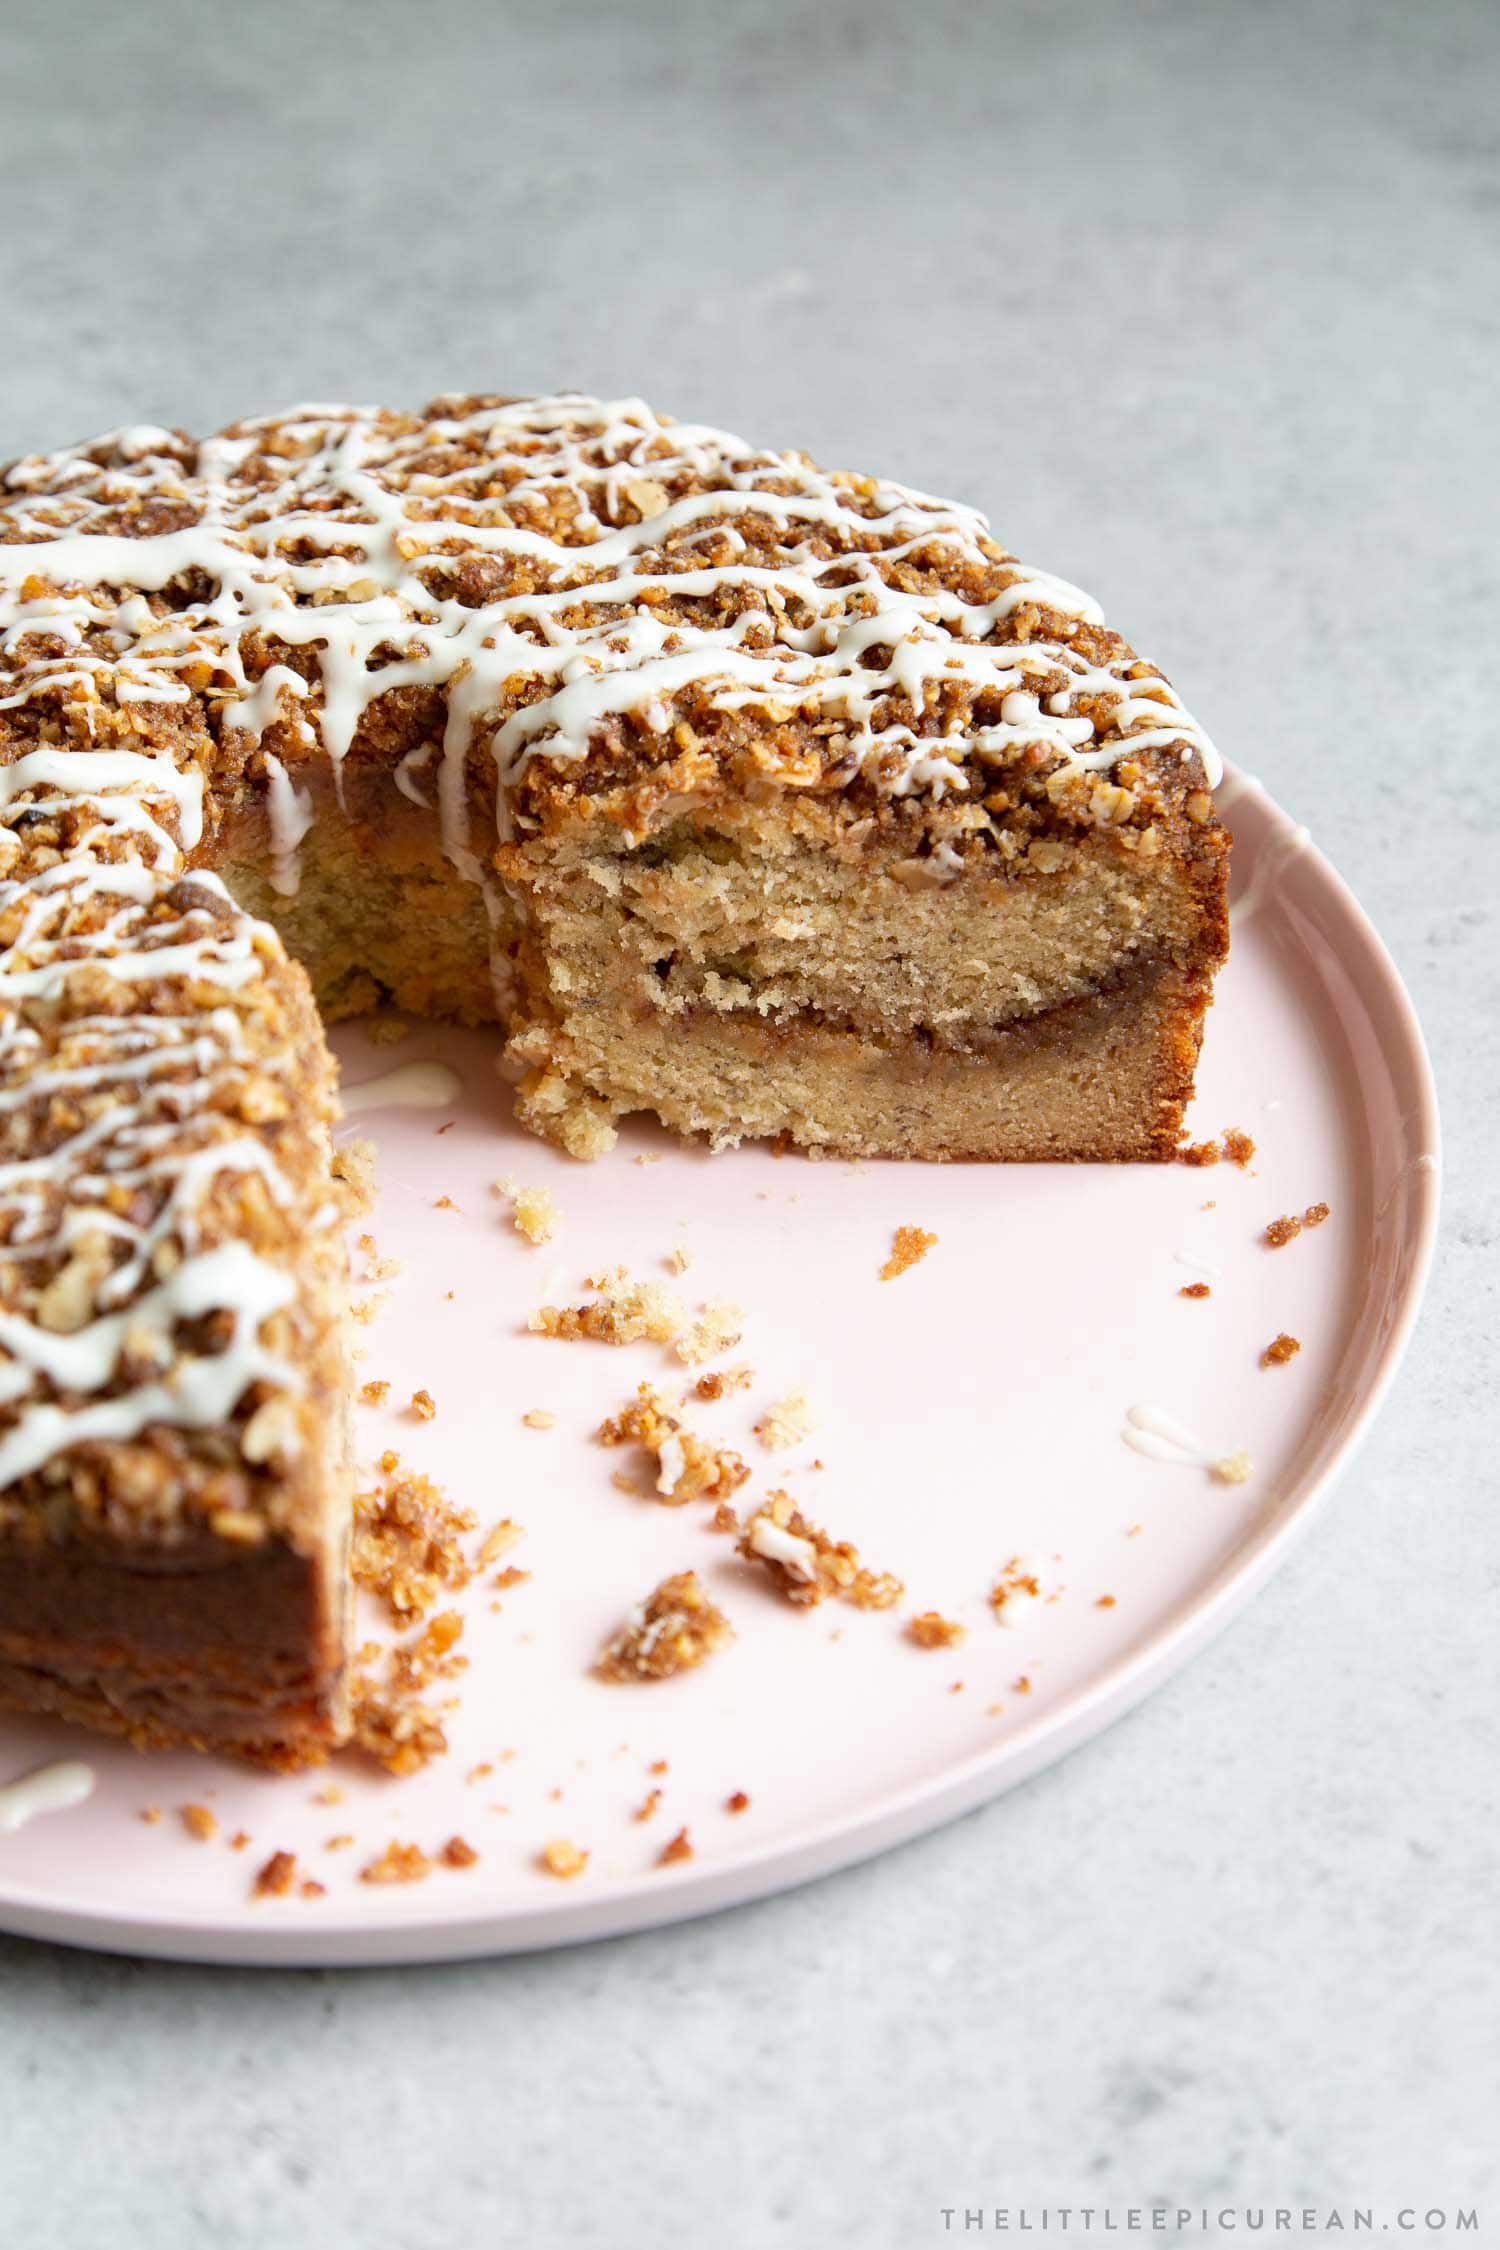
(776, 802)
(174, 1483)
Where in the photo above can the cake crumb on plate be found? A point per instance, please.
(909, 1245)
(672, 1631)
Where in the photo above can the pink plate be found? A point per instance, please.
(971, 1411)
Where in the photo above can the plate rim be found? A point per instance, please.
(654, 1899)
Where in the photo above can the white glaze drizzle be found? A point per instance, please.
(56, 1788)
(1150, 1430)
(108, 1214)
(416, 1085)
(339, 531)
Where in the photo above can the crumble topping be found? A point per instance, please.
(672, 1631)
(1233, 1146)
(1284, 1230)
(1234, 1468)
(621, 1311)
(563, 1859)
(408, 1542)
(909, 1246)
(199, 1822)
(398, 1863)
(930, 1629)
(276, 1877)
(804, 1564)
(1280, 1350)
(688, 1467)
(676, 1849)
(721, 1381)
(1195, 1289)
(1016, 1592)
(786, 1423)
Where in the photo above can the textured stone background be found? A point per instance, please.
(1201, 303)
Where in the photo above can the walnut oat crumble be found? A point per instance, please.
(909, 1245)
(276, 1877)
(563, 1859)
(786, 1423)
(930, 1629)
(398, 1863)
(687, 1466)
(672, 1631)
(1016, 1592)
(1234, 1468)
(805, 1564)
(408, 1542)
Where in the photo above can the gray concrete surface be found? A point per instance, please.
(1201, 303)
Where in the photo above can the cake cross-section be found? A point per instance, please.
(774, 802)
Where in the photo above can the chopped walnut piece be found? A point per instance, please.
(672, 1631)
(786, 1423)
(458, 1852)
(533, 1213)
(909, 1245)
(277, 1876)
(930, 1629)
(1280, 1350)
(199, 1822)
(423, 1405)
(805, 1564)
(398, 1863)
(563, 1859)
(677, 1848)
(687, 1466)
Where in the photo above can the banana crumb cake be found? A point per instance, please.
(772, 801)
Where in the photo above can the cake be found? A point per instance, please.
(774, 802)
